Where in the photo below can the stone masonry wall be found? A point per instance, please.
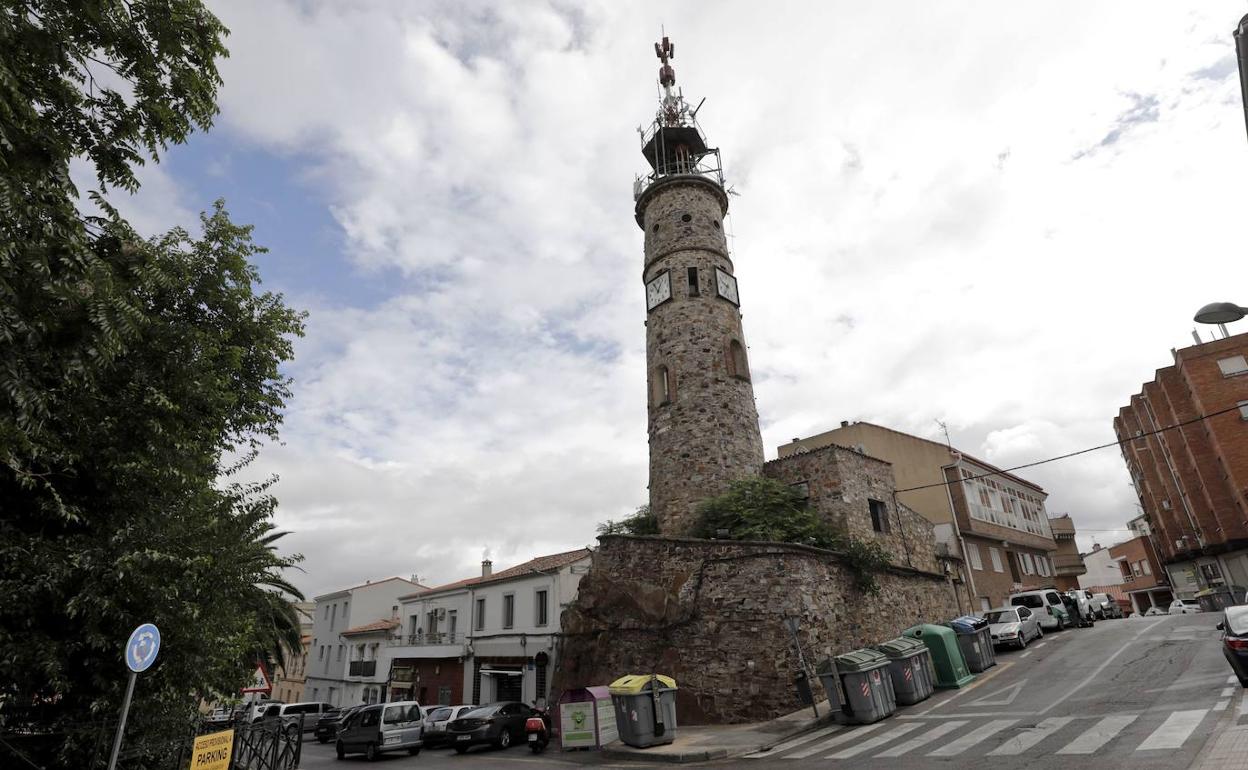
(704, 434)
(841, 482)
(711, 614)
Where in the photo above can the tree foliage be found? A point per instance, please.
(640, 522)
(136, 375)
(763, 509)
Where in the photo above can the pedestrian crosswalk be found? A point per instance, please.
(1066, 735)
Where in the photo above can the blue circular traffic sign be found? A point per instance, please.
(142, 648)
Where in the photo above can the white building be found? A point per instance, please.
(1103, 569)
(332, 650)
(487, 638)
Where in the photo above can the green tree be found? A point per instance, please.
(136, 375)
(640, 522)
(763, 509)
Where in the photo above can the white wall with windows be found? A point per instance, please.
(999, 500)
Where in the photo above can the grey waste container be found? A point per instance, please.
(639, 722)
(910, 667)
(831, 680)
(867, 687)
(975, 641)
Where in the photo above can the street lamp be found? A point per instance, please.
(1220, 312)
(1241, 52)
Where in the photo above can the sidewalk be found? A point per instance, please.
(699, 744)
(1228, 748)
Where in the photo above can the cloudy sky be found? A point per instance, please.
(998, 217)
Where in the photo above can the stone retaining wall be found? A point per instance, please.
(710, 613)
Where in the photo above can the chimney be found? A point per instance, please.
(844, 423)
(1096, 547)
(415, 578)
(487, 568)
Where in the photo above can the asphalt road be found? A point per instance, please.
(1140, 693)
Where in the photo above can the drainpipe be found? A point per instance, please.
(957, 531)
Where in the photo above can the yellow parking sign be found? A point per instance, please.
(212, 751)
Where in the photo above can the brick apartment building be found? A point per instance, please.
(1143, 579)
(1192, 481)
(994, 520)
(1067, 563)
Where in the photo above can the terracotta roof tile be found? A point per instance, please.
(539, 564)
(376, 625)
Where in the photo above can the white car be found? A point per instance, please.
(1013, 625)
(1154, 611)
(1185, 607)
(1108, 605)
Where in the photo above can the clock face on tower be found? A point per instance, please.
(659, 290)
(726, 287)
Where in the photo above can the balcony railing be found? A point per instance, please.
(437, 637)
(362, 668)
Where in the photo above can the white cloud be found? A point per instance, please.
(1001, 217)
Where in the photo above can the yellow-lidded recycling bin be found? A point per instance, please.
(645, 709)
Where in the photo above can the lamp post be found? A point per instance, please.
(1220, 313)
(1241, 53)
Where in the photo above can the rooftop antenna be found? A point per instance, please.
(945, 429)
(1196, 336)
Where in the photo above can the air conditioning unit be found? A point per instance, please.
(1178, 543)
(1165, 505)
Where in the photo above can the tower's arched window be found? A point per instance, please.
(662, 386)
(737, 365)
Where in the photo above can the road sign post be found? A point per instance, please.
(141, 652)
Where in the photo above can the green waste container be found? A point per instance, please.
(942, 643)
(866, 687)
(645, 709)
(910, 668)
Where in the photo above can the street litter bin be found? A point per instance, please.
(910, 668)
(645, 709)
(975, 641)
(942, 643)
(866, 685)
(802, 684)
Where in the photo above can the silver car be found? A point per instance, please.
(1013, 625)
(382, 727)
(436, 719)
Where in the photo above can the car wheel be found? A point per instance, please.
(1022, 640)
(340, 749)
(461, 749)
(370, 752)
(504, 738)
(1243, 681)
(414, 750)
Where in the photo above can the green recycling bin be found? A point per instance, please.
(910, 667)
(942, 643)
(645, 709)
(867, 687)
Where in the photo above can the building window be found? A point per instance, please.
(1029, 567)
(972, 555)
(509, 610)
(737, 365)
(662, 386)
(1147, 570)
(879, 515)
(1243, 409)
(995, 555)
(693, 282)
(326, 613)
(542, 611)
(340, 648)
(333, 617)
(984, 604)
(322, 655)
(480, 616)
(1233, 365)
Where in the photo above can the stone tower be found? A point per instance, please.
(703, 423)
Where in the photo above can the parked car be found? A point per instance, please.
(437, 719)
(1234, 628)
(328, 725)
(221, 716)
(382, 727)
(295, 715)
(1109, 607)
(1185, 607)
(1154, 610)
(259, 709)
(1047, 606)
(1083, 603)
(499, 724)
(1013, 625)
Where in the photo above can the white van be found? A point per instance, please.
(1047, 606)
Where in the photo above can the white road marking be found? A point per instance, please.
(1174, 731)
(1097, 735)
(798, 741)
(1088, 679)
(875, 742)
(1038, 645)
(953, 748)
(1025, 654)
(1230, 679)
(922, 740)
(842, 738)
(1030, 737)
(1003, 697)
(1222, 704)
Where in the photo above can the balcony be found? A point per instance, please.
(423, 639)
(1067, 564)
(362, 668)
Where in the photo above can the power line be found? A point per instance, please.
(1074, 454)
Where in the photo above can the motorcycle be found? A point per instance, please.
(537, 730)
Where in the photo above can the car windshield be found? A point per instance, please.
(438, 715)
(484, 711)
(1002, 616)
(394, 714)
(1028, 600)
